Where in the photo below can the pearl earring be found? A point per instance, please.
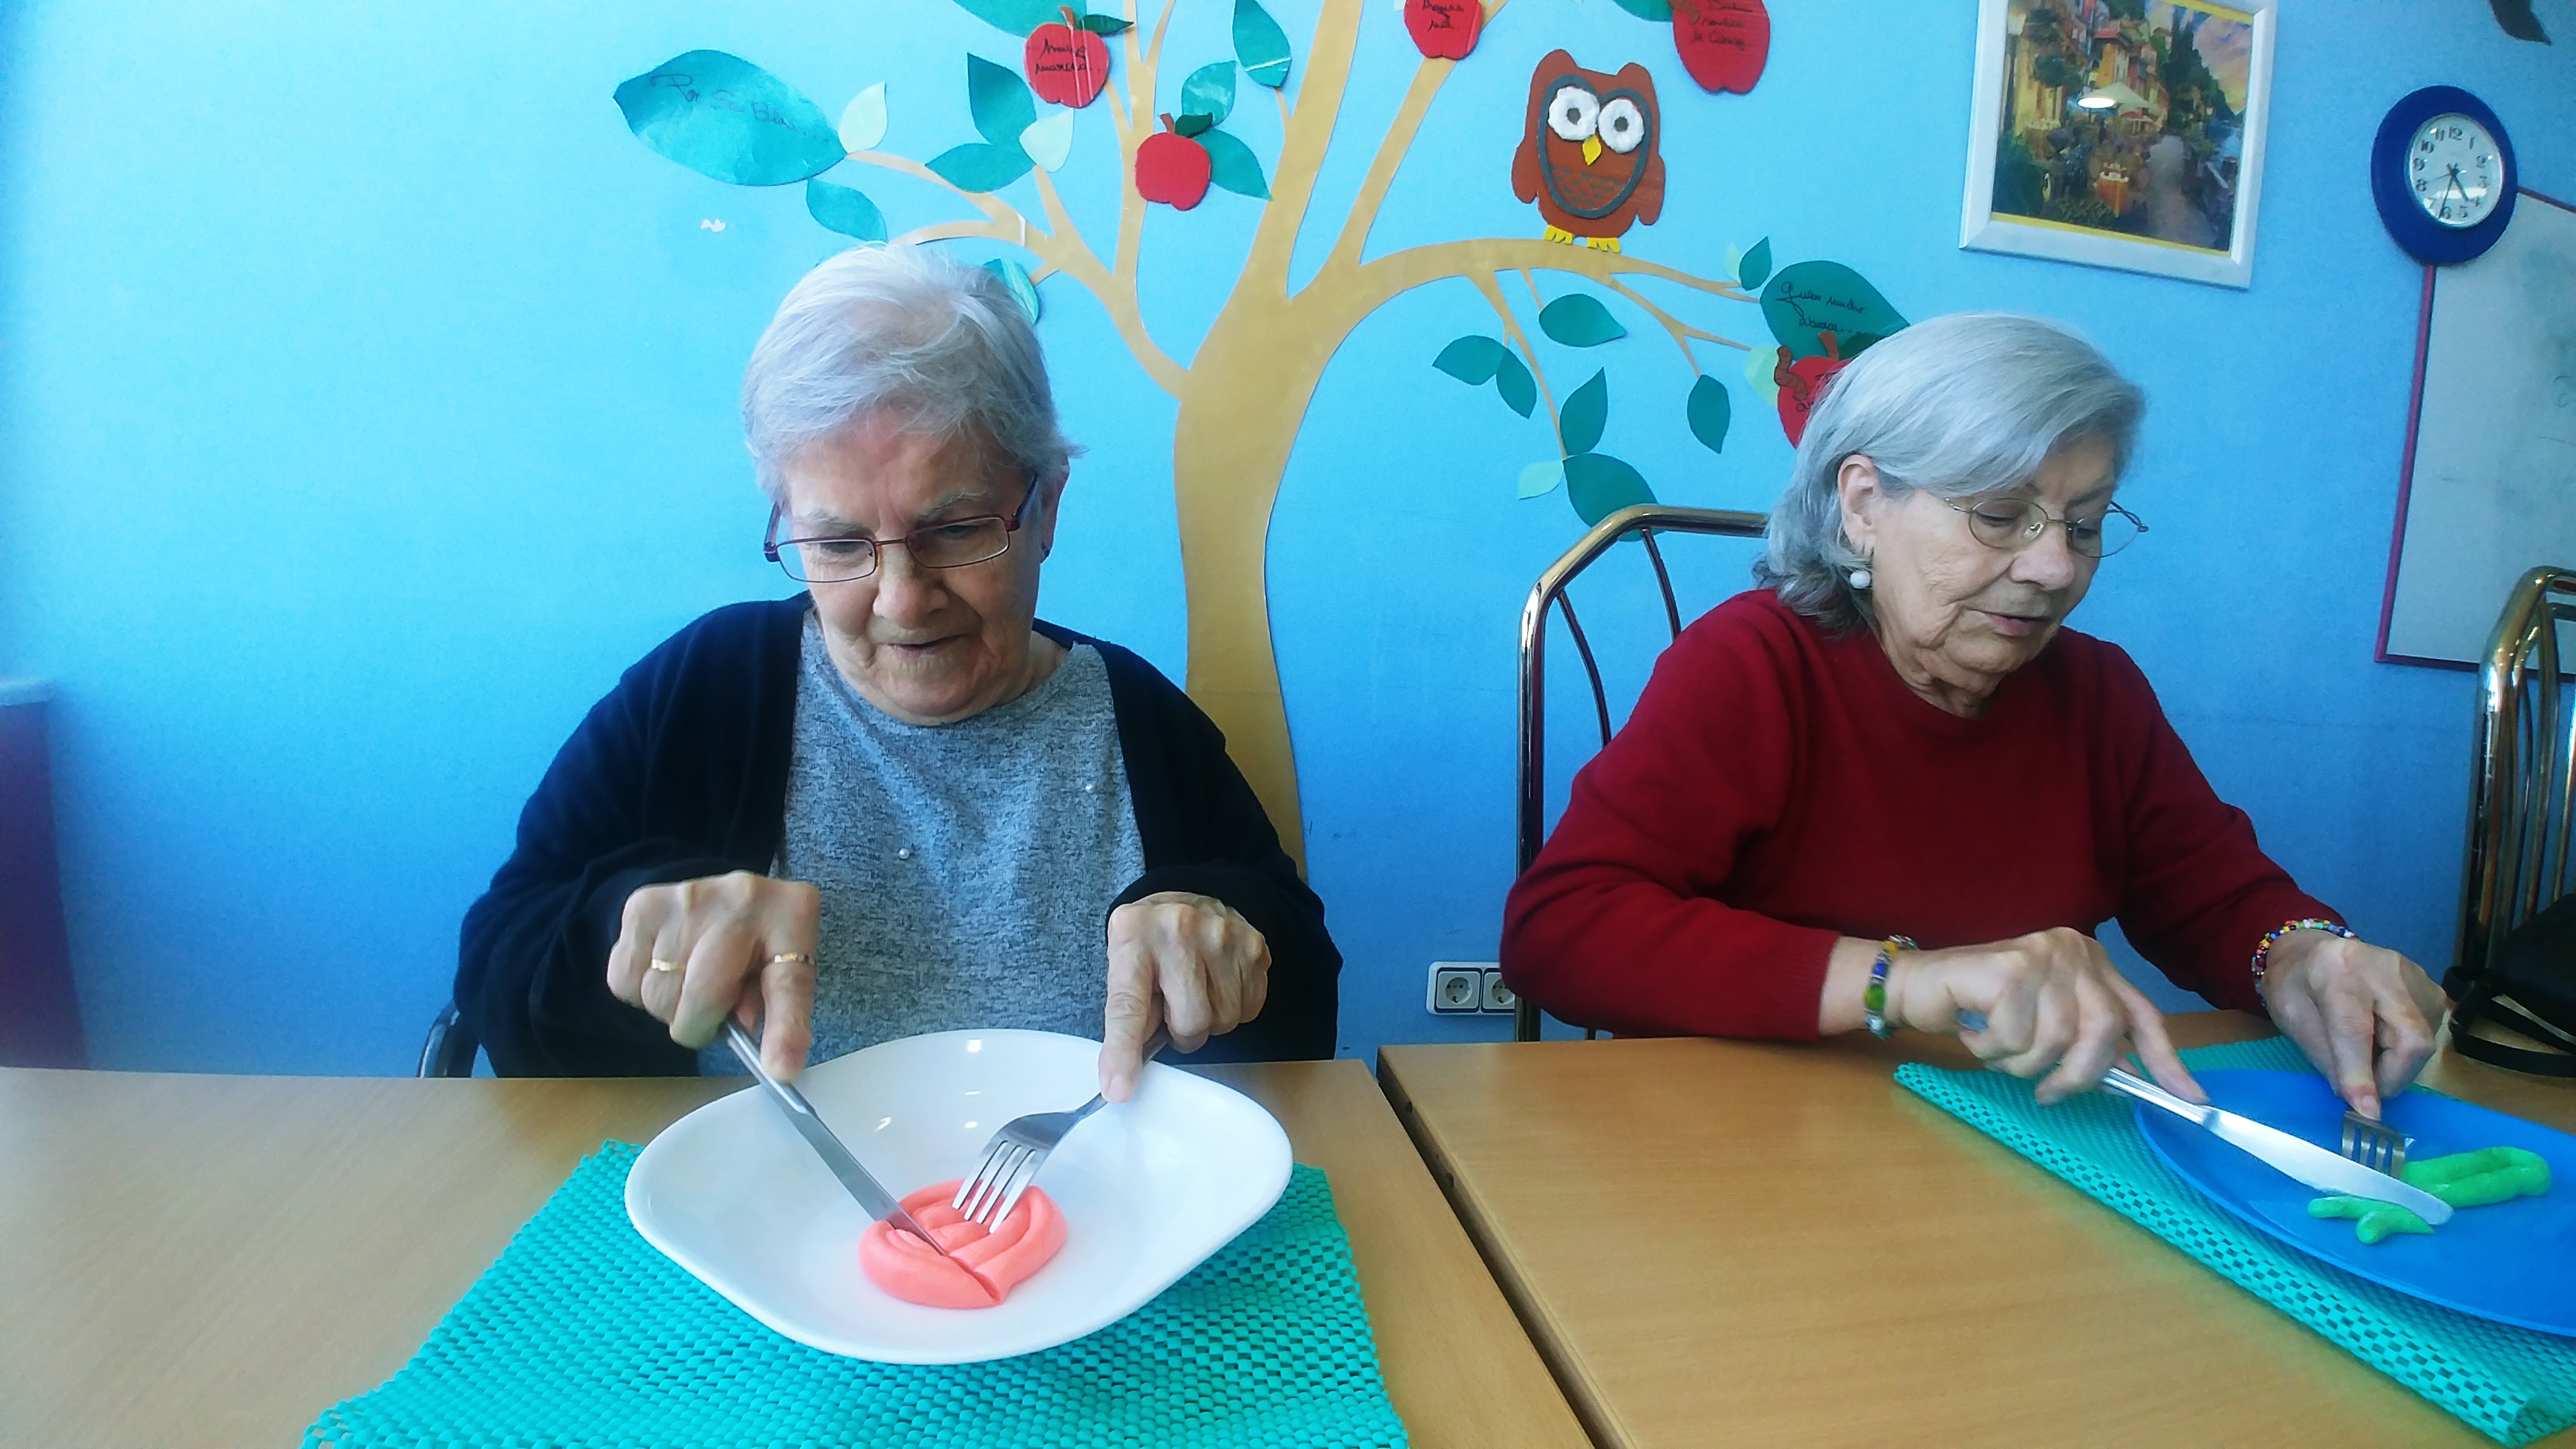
(1860, 578)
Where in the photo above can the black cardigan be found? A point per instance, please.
(681, 772)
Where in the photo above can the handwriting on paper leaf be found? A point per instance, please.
(721, 116)
(1808, 299)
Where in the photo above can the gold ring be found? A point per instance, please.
(791, 958)
(660, 964)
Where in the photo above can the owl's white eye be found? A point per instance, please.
(1573, 112)
(1622, 125)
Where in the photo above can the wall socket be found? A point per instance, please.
(1468, 988)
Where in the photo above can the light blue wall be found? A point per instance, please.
(365, 406)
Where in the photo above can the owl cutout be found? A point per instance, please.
(1588, 155)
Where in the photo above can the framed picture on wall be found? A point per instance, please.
(2121, 133)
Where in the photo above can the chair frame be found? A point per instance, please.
(1644, 520)
(2523, 787)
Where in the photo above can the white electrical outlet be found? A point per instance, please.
(1457, 988)
(1498, 997)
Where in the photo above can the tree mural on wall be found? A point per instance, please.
(1242, 392)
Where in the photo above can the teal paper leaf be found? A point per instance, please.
(1023, 291)
(1104, 24)
(1658, 11)
(1586, 412)
(843, 210)
(1514, 382)
(1541, 478)
(1260, 44)
(1210, 91)
(999, 100)
(1232, 165)
(863, 120)
(1193, 125)
(979, 167)
(1809, 298)
(1710, 411)
(1755, 269)
(1472, 359)
(1016, 16)
(1599, 485)
(1578, 321)
(721, 116)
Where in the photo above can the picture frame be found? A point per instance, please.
(2121, 133)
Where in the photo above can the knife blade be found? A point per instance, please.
(873, 1199)
(2295, 1157)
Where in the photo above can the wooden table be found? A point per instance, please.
(1770, 1244)
(207, 1261)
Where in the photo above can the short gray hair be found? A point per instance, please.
(1961, 405)
(907, 328)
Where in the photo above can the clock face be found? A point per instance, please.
(2454, 172)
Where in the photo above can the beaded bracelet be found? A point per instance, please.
(2263, 948)
(1873, 997)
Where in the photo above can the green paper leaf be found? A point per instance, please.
(1016, 16)
(1210, 91)
(1658, 11)
(721, 116)
(1758, 367)
(1599, 485)
(1514, 382)
(1193, 124)
(1232, 165)
(1023, 291)
(1709, 411)
(979, 167)
(1260, 44)
(1578, 321)
(1809, 298)
(843, 210)
(1471, 359)
(1104, 24)
(863, 120)
(1586, 412)
(1734, 263)
(1050, 141)
(1541, 478)
(999, 100)
(1756, 267)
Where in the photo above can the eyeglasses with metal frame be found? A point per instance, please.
(2017, 523)
(843, 558)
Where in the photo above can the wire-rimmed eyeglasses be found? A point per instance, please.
(841, 558)
(2016, 523)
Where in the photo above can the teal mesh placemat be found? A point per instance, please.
(2511, 1384)
(582, 1334)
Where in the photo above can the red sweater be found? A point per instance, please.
(1777, 788)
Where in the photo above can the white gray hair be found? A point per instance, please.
(1961, 405)
(903, 328)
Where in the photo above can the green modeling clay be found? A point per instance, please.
(2463, 1179)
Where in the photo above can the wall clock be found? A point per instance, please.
(2442, 172)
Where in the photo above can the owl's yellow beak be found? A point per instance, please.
(1591, 149)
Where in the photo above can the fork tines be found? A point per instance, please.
(2375, 1145)
(988, 1196)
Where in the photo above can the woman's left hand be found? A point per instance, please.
(1188, 962)
(2363, 1014)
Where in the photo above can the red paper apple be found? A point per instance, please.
(1172, 169)
(1723, 43)
(1802, 383)
(1444, 29)
(1066, 64)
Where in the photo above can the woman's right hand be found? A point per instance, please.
(691, 951)
(2053, 1004)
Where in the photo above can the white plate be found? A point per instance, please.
(1149, 1189)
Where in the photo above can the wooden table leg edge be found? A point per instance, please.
(1599, 1424)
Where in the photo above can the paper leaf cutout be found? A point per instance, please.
(1193, 125)
(1104, 24)
(1758, 366)
(721, 116)
(999, 100)
(976, 166)
(1755, 269)
(1471, 359)
(1808, 299)
(1542, 478)
(1659, 11)
(843, 210)
(1023, 291)
(1016, 16)
(863, 120)
(1586, 412)
(1048, 142)
(1578, 321)
(1260, 44)
(1599, 485)
(1734, 263)
(1232, 165)
(1514, 382)
(1210, 91)
(1709, 411)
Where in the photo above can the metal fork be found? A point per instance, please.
(1013, 1157)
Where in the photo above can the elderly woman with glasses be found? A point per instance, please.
(1892, 790)
(896, 802)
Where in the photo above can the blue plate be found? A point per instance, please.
(2514, 1262)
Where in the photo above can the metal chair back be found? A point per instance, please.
(2524, 781)
(1645, 521)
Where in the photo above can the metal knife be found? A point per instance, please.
(878, 1203)
(2298, 1157)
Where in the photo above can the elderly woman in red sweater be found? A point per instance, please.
(1890, 789)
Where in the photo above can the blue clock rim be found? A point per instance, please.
(2423, 238)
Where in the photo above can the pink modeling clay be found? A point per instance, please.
(981, 1267)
